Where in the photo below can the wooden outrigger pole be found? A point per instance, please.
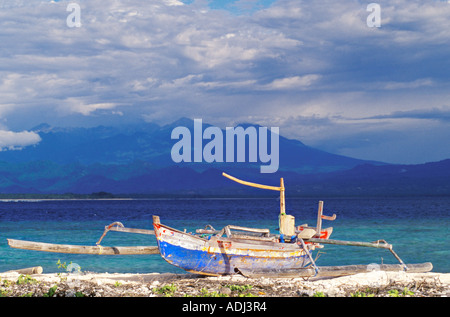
(90, 249)
(81, 249)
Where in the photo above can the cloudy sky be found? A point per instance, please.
(315, 69)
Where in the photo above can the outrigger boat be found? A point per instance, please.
(257, 252)
(251, 252)
(236, 249)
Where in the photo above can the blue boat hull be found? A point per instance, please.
(222, 256)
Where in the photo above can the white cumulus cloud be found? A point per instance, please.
(17, 140)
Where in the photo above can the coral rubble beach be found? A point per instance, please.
(86, 284)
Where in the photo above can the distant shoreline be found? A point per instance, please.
(110, 196)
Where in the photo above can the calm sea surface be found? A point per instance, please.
(418, 228)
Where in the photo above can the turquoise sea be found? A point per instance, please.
(418, 228)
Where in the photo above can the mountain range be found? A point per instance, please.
(136, 161)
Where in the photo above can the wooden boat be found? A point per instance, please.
(239, 250)
(220, 255)
(235, 248)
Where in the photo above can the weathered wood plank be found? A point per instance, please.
(132, 230)
(382, 245)
(118, 226)
(336, 271)
(80, 249)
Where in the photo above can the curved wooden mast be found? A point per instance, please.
(280, 189)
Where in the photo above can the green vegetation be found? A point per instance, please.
(4, 290)
(26, 279)
(362, 294)
(242, 291)
(204, 293)
(51, 291)
(167, 290)
(397, 293)
(240, 288)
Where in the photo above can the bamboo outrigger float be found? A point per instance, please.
(251, 252)
(81, 249)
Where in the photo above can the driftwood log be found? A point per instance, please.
(28, 270)
(80, 249)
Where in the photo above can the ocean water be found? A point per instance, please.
(418, 228)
